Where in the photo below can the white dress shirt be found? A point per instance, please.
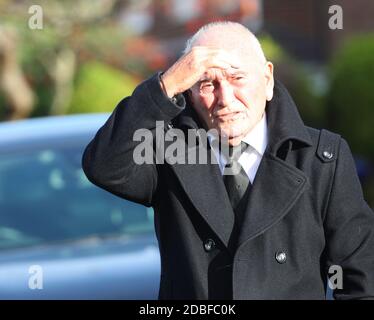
(250, 159)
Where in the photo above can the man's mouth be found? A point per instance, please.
(231, 116)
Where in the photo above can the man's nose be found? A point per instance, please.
(225, 94)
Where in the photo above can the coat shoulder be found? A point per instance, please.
(316, 133)
(327, 143)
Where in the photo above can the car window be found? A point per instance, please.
(45, 197)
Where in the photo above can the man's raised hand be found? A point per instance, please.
(188, 69)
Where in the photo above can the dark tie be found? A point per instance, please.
(238, 187)
(234, 176)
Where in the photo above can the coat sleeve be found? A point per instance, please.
(349, 229)
(108, 159)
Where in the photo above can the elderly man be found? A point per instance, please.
(291, 215)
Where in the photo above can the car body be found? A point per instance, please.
(61, 237)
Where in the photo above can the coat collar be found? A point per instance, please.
(277, 185)
(284, 121)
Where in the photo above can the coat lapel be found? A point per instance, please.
(204, 186)
(275, 190)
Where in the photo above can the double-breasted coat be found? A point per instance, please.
(305, 212)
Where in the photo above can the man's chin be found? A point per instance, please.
(231, 140)
(233, 136)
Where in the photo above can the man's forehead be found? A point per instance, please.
(243, 56)
(226, 39)
(245, 69)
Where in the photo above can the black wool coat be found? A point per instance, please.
(305, 212)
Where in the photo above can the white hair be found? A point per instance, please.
(252, 39)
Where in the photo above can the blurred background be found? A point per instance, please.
(89, 54)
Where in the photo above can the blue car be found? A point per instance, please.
(61, 237)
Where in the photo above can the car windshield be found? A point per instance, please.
(45, 198)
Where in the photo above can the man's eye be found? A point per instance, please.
(206, 87)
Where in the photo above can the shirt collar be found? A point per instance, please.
(257, 138)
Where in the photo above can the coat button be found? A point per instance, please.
(209, 245)
(281, 257)
(327, 155)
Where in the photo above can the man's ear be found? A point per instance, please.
(269, 78)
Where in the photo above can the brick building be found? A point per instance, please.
(302, 26)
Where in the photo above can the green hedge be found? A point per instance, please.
(99, 88)
(351, 94)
